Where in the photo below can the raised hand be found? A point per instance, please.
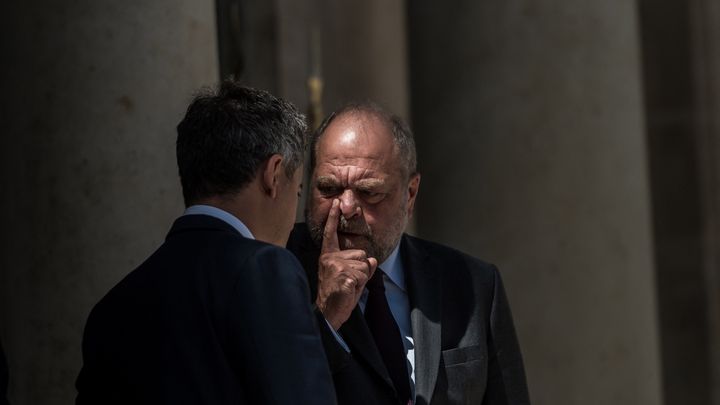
(342, 274)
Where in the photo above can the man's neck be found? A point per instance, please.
(221, 214)
(251, 207)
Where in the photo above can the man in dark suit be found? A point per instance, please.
(219, 314)
(404, 320)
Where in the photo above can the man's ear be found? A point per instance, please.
(270, 176)
(413, 188)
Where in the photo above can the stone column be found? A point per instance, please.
(681, 141)
(704, 15)
(364, 53)
(529, 119)
(92, 91)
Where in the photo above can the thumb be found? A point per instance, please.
(373, 266)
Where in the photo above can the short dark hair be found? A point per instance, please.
(402, 135)
(227, 134)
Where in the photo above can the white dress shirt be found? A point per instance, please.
(222, 215)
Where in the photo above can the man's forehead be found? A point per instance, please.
(355, 134)
(340, 180)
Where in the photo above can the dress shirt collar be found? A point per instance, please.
(392, 266)
(222, 215)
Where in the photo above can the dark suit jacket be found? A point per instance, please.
(466, 350)
(210, 318)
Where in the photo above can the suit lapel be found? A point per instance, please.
(358, 336)
(424, 290)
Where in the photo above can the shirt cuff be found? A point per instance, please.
(338, 337)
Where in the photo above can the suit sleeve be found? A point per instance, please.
(338, 355)
(278, 348)
(506, 384)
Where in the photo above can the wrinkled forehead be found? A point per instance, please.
(353, 137)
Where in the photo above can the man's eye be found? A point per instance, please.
(328, 190)
(368, 193)
(371, 197)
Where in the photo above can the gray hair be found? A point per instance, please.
(228, 134)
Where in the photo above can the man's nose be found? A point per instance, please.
(348, 204)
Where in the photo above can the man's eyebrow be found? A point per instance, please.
(369, 183)
(326, 181)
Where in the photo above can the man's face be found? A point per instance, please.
(358, 163)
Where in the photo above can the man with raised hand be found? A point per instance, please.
(428, 324)
(220, 313)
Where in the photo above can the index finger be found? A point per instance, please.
(330, 239)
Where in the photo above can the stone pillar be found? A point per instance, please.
(705, 14)
(364, 53)
(92, 91)
(529, 119)
(682, 145)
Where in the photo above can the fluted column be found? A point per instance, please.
(92, 91)
(529, 118)
(705, 15)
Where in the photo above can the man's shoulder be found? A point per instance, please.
(200, 235)
(200, 258)
(201, 247)
(229, 253)
(441, 251)
(418, 252)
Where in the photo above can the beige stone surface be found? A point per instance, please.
(92, 93)
(529, 118)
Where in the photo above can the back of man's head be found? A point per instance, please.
(227, 134)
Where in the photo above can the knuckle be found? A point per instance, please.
(327, 258)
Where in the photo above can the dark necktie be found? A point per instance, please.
(387, 337)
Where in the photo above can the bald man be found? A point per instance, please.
(405, 320)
